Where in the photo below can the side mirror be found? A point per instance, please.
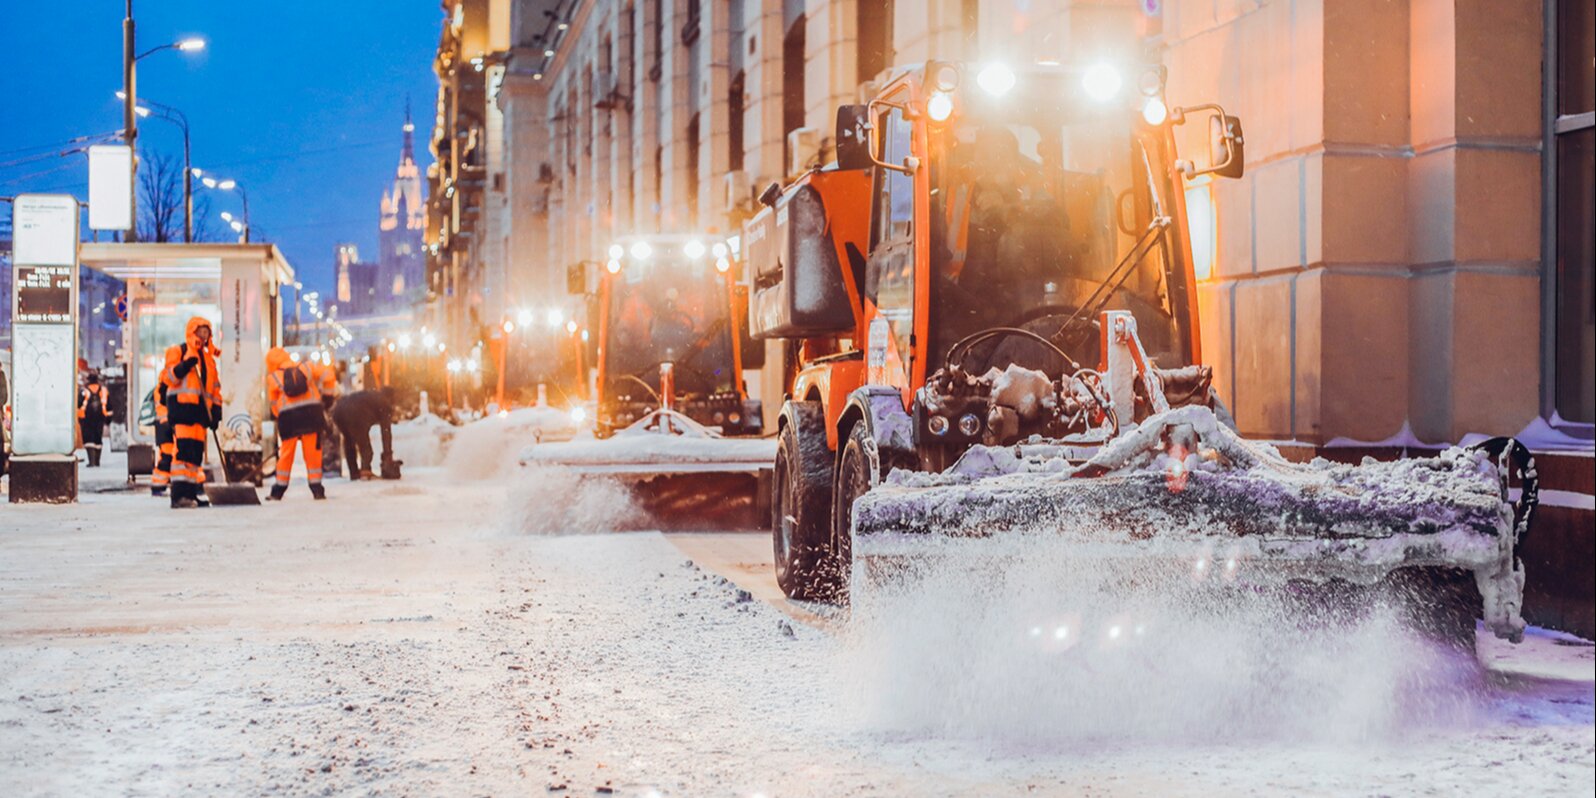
(1227, 151)
(576, 279)
(853, 137)
(769, 196)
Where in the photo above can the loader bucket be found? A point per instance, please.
(680, 474)
(1182, 487)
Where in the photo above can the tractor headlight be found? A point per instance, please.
(995, 79)
(693, 249)
(578, 414)
(1101, 82)
(945, 77)
(616, 250)
(939, 107)
(641, 250)
(735, 418)
(937, 424)
(613, 266)
(969, 425)
(1154, 111)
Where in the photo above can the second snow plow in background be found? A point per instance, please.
(674, 422)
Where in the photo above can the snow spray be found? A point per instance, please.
(558, 501)
(1039, 640)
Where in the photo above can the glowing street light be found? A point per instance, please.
(523, 318)
(555, 317)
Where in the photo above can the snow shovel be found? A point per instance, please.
(232, 492)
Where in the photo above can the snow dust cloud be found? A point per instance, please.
(557, 501)
(1025, 639)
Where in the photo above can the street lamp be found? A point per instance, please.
(176, 117)
(130, 115)
(229, 184)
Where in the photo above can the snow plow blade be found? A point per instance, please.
(682, 481)
(1182, 485)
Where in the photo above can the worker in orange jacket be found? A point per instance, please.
(193, 406)
(295, 391)
(164, 445)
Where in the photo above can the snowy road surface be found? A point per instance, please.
(432, 637)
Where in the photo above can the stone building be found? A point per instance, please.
(1410, 247)
(401, 263)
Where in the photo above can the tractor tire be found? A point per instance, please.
(800, 523)
(857, 472)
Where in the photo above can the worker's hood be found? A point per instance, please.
(190, 335)
(277, 358)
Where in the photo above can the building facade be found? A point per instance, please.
(1409, 251)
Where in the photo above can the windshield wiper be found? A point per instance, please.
(1122, 271)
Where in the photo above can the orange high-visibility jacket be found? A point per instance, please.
(193, 396)
(296, 415)
(105, 400)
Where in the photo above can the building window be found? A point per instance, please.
(1571, 233)
(656, 31)
(692, 169)
(734, 122)
(875, 38)
(792, 86)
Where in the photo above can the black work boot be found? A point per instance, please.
(157, 490)
(277, 493)
(317, 491)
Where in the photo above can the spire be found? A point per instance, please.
(408, 155)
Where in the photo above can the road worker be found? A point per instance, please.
(193, 405)
(164, 445)
(355, 415)
(294, 391)
(94, 411)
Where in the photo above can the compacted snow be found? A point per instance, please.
(445, 635)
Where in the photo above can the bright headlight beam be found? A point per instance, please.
(1101, 82)
(641, 250)
(693, 249)
(995, 79)
(939, 107)
(1154, 111)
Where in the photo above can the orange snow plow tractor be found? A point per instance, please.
(674, 420)
(990, 295)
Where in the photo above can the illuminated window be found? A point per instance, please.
(398, 284)
(1204, 229)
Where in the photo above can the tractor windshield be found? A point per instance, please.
(1043, 215)
(674, 311)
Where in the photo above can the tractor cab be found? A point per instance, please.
(668, 336)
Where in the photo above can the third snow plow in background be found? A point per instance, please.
(981, 236)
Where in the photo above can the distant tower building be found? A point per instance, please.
(357, 283)
(400, 266)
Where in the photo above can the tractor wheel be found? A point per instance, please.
(859, 468)
(800, 527)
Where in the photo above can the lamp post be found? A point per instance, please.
(130, 116)
(176, 117)
(228, 184)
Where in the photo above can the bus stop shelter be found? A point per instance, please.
(238, 287)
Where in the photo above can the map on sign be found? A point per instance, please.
(44, 415)
(44, 293)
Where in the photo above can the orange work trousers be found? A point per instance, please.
(311, 446)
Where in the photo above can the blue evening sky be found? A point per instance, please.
(301, 101)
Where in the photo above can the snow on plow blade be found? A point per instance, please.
(681, 481)
(1183, 485)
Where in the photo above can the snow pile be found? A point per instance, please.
(1022, 639)
(421, 441)
(487, 448)
(558, 501)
